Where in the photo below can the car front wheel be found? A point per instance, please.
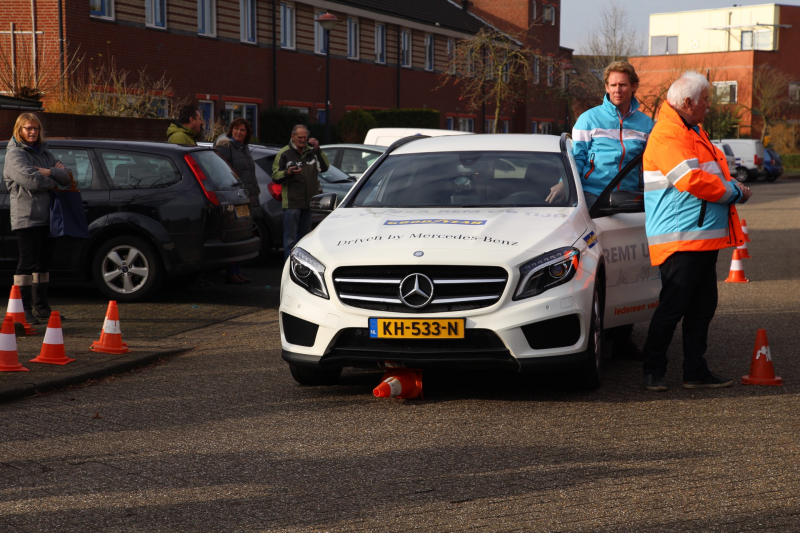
(127, 269)
(742, 175)
(593, 364)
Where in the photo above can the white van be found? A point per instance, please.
(386, 136)
(730, 157)
(749, 155)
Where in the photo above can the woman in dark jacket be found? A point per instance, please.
(233, 147)
(30, 172)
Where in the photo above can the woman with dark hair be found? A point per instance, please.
(30, 171)
(233, 147)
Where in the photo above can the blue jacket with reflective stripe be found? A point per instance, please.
(603, 142)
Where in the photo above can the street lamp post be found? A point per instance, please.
(327, 21)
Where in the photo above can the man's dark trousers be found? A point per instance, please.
(296, 225)
(688, 291)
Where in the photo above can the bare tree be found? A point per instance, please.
(769, 98)
(491, 67)
(25, 75)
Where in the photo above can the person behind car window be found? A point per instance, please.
(234, 148)
(189, 125)
(296, 168)
(605, 139)
(689, 202)
(31, 170)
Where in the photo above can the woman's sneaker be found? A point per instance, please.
(655, 383)
(711, 381)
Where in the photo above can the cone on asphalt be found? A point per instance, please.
(743, 253)
(762, 372)
(16, 311)
(405, 383)
(53, 346)
(744, 230)
(736, 274)
(111, 336)
(9, 358)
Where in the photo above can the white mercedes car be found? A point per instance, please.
(447, 253)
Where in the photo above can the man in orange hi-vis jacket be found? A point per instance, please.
(689, 203)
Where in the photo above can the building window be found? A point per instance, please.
(763, 39)
(448, 123)
(429, 44)
(663, 45)
(380, 43)
(320, 40)
(101, 8)
(536, 70)
(206, 108)
(549, 15)
(234, 110)
(405, 43)
(466, 124)
(505, 127)
(794, 92)
(321, 116)
(725, 92)
(550, 74)
(532, 12)
(451, 50)
(207, 17)
(546, 128)
(287, 25)
(353, 34)
(488, 125)
(747, 40)
(247, 21)
(534, 126)
(156, 13)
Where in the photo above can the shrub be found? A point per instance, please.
(276, 123)
(784, 138)
(790, 160)
(353, 127)
(407, 118)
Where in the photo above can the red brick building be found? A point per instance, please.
(236, 57)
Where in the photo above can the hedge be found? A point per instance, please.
(353, 126)
(276, 123)
(791, 160)
(407, 118)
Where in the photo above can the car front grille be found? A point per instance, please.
(455, 288)
(475, 340)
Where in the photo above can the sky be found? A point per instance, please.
(577, 16)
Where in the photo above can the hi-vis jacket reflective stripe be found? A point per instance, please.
(688, 192)
(603, 142)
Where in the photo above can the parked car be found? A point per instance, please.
(749, 155)
(773, 164)
(446, 253)
(352, 159)
(730, 158)
(386, 136)
(154, 209)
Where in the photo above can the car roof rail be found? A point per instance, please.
(405, 140)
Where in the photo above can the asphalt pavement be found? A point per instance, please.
(219, 437)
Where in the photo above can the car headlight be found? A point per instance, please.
(547, 271)
(307, 272)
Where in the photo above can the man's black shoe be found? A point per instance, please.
(625, 349)
(711, 381)
(655, 383)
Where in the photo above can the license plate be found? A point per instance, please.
(410, 328)
(242, 211)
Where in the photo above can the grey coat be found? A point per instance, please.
(240, 158)
(27, 188)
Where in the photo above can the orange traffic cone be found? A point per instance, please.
(400, 383)
(736, 275)
(16, 312)
(53, 345)
(744, 230)
(761, 370)
(743, 253)
(9, 359)
(111, 336)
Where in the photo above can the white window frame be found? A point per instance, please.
(549, 14)
(151, 9)
(726, 84)
(466, 124)
(533, 11)
(380, 44)
(320, 46)
(794, 91)
(353, 38)
(546, 128)
(430, 51)
(106, 11)
(550, 71)
(207, 18)
(248, 21)
(288, 30)
(229, 109)
(536, 71)
(752, 40)
(757, 34)
(488, 125)
(406, 38)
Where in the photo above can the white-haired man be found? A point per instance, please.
(686, 231)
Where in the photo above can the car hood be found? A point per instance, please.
(359, 233)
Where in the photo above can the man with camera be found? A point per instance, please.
(296, 169)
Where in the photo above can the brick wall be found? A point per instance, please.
(92, 127)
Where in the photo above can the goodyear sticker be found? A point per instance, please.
(591, 239)
(450, 221)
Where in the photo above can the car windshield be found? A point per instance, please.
(465, 179)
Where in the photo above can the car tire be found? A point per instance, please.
(742, 176)
(315, 376)
(593, 364)
(773, 177)
(112, 272)
(762, 176)
(261, 231)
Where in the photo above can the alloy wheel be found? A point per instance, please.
(125, 269)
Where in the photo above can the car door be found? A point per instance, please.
(632, 283)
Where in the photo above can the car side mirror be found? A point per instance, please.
(323, 203)
(622, 202)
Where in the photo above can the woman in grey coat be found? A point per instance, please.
(233, 147)
(30, 172)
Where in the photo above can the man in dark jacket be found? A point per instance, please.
(296, 168)
(189, 125)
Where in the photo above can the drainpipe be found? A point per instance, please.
(274, 58)
(61, 39)
(399, 60)
(33, 40)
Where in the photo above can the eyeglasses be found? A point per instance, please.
(31, 128)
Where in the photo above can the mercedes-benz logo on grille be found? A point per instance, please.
(416, 290)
